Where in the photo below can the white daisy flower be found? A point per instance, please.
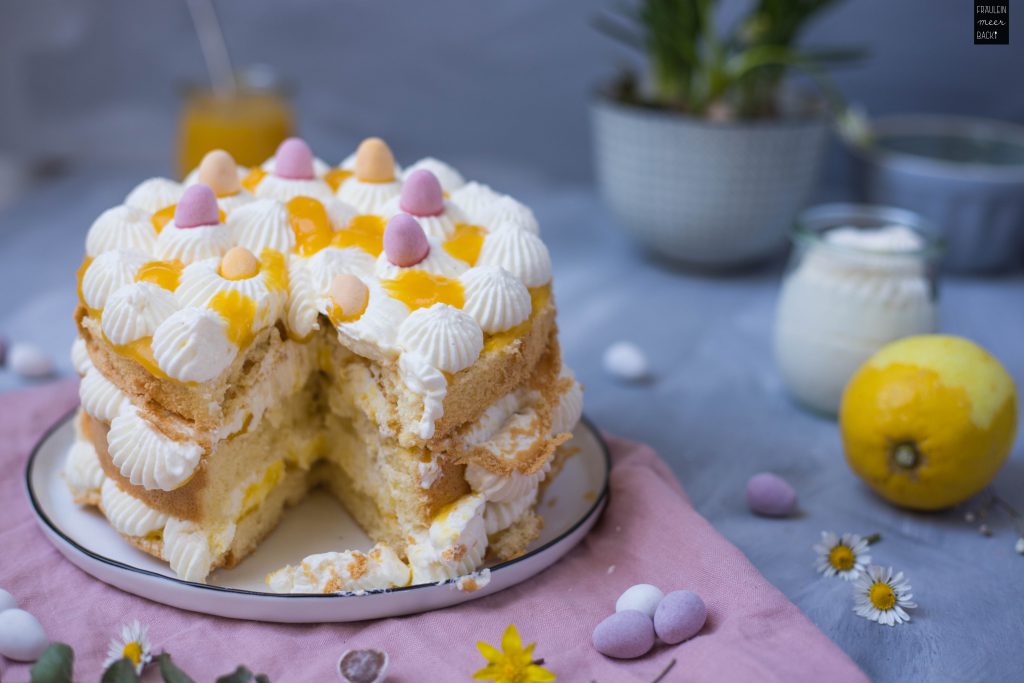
(882, 597)
(133, 645)
(844, 556)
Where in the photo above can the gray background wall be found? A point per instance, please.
(478, 83)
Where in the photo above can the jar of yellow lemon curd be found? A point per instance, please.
(249, 121)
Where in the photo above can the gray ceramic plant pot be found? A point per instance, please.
(708, 194)
(966, 175)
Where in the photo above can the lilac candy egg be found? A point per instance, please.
(771, 495)
(680, 616)
(405, 243)
(197, 206)
(294, 160)
(422, 194)
(624, 635)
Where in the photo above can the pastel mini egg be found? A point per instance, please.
(6, 600)
(294, 160)
(197, 207)
(422, 194)
(349, 294)
(22, 637)
(625, 361)
(239, 264)
(219, 171)
(405, 243)
(680, 616)
(624, 635)
(374, 161)
(29, 361)
(643, 597)
(770, 495)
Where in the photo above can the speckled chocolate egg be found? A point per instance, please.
(624, 635)
(770, 495)
(680, 616)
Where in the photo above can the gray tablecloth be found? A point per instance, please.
(715, 409)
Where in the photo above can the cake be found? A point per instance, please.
(249, 335)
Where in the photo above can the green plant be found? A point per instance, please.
(735, 73)
(56, 665)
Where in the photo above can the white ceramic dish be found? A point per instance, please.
(570, 506)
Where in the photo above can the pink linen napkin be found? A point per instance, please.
(649, 533)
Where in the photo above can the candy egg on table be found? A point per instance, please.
(624, 635)
(680, 616)
(770, 495)
(6, 600)
(625, 361)
(22, 637)
(643, 597)
(29, 361)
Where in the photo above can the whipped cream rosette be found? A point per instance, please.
(122, 227)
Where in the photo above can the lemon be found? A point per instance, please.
(928, 421)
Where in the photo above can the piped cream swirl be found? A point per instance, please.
(127, 514)
(496, 299)
(135, 311)
(449, 339)
(192, 345)
(122, 227)
(146, 457)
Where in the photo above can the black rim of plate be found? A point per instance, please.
(598, 502)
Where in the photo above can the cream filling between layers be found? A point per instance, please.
(350, 571)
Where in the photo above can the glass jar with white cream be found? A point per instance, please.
(859, 277)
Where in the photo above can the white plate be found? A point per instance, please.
(570, 506)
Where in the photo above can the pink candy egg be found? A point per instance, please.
(294, 160)
(680, 616)
(771, 495)
(624, 635)
(197, 207)
(405, 243)
(422, 194)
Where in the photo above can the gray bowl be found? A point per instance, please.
(965, 175)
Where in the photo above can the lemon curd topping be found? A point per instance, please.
(420, 289)
(141, 351)
(466, 242)
(365, 232)
(80, 275)
(166, 274)
(338, 316)
(239, 311)
(258, 491)
(539, 297)
(336, 176)
(309, 221)
(253, 179)
(163, 216)
(274, 269)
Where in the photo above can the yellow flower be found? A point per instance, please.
(513, 663)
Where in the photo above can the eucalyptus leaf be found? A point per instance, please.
(55, 665)
(169, 670)
(243, 675)
(121, 671)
